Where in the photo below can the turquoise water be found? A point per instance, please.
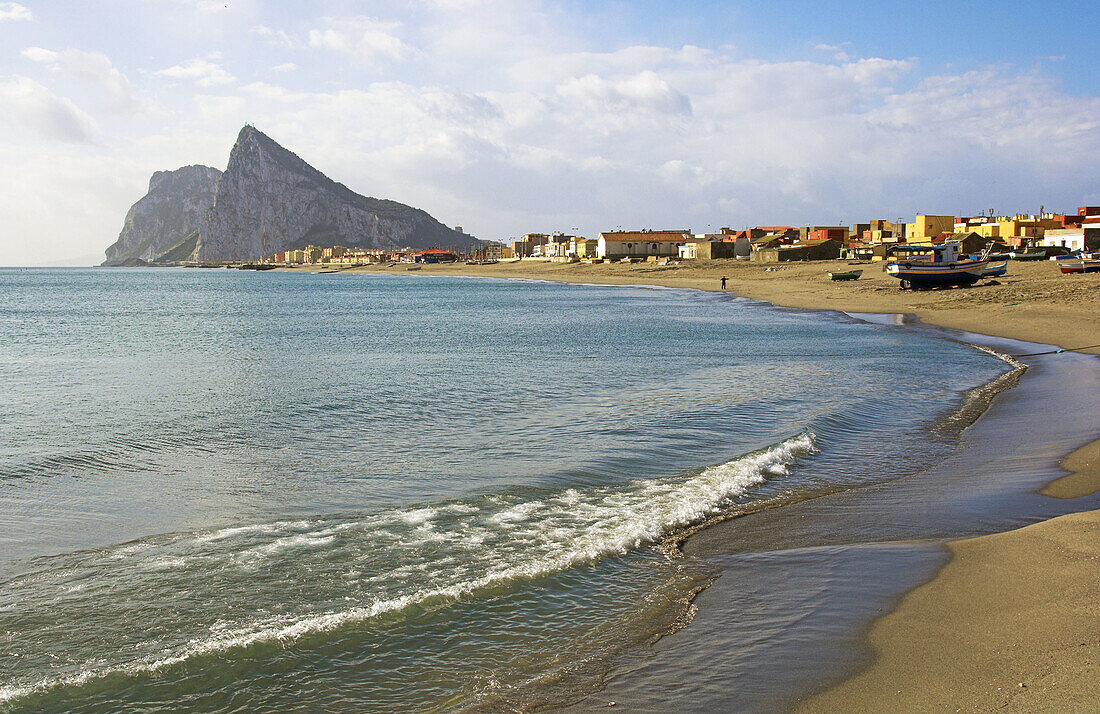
(223, 490)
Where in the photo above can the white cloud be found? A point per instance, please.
(510, 115)
(93, 69)
(370, 41)
(15, 12)
(838, 54)
(276, 38)
(749, 142)
(200, 71)
(643, 91)
(38, 54)
(37, 108)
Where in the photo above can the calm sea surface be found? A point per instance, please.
(234, 491)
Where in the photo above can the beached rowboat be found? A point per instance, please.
(1080, 266)
(995, 270)
(846, 275)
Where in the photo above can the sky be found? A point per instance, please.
(538, 116)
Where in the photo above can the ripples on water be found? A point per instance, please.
(307, 492)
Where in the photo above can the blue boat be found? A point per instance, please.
(995, 270)
(935, 266)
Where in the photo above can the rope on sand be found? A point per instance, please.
(1059, 351)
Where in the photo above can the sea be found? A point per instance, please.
(236, 491)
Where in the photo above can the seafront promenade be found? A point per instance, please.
(1011, 620)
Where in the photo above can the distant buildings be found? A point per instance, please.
(435, 255)
(871, 240)
(530, 245)
(616, 245)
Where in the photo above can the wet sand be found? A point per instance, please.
(1011, 623)
(1012, 620)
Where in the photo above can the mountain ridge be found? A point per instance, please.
(269, 200)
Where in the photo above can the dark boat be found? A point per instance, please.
(846, 275)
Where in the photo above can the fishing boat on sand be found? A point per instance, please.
(845, 275)
(995, 270)
(935, 266)
(1079, 266)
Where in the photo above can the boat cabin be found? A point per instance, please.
(944, 253)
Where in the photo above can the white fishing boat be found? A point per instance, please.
(935, 266)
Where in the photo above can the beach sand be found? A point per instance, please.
(1013, 620)
(1011, 623)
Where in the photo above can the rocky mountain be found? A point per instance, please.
(269, 200)
(171, 210)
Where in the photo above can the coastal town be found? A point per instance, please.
(1042, 234)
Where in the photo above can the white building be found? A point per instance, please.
(1080, 238)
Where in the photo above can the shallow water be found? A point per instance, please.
(797, 585)
(223, 490)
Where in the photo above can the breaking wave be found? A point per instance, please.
(324, 574)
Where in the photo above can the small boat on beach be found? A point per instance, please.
(845, 275)
(995, 270)
(935, 266)
(1079, 266)
(1030, 255)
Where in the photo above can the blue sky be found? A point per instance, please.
(508, 117)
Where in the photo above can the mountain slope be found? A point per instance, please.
(269, 200)
(172, 209)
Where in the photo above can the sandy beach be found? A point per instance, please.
(1012, 620)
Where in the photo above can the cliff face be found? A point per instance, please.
(172, 209)
(269, 200)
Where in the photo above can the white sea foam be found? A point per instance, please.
(259, 528)
(420, 515)
(515, 541)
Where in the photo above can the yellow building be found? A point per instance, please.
(1021, 226)
(988, 230)
(926, 227)
(583, 247)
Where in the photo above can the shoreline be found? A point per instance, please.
(978, 633)
(1010, 621)
(1033, 303)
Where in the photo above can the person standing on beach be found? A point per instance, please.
(723, 282)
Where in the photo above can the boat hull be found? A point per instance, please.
(931, 275)
(1080, 266)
